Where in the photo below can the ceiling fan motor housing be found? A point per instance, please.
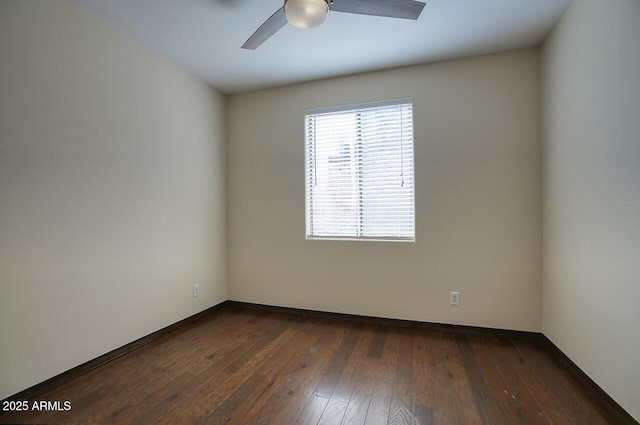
(306, 13)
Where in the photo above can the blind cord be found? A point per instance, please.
(401, 147)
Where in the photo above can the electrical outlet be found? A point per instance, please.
(196, 289)
(454, 298)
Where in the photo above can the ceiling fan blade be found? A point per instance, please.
(406, 9)
(266, 30)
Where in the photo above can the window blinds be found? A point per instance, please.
(359, 171)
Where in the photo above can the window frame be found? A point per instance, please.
(354, 108)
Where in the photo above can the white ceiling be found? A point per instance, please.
(204, 37)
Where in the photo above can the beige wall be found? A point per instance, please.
(112, 191)
(478, 214)
(591, 104)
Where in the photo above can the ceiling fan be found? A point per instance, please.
(311, 13)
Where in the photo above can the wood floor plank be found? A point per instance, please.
(256, 409)
(249, 367)
(256, 346)
(400, 410)
(568, 393)
(446, 406)
(316, 359)
(269, 410)
(424, 373)
(332, 375)
(223, 413)
(201, 383)
(360, 400)
(175, 399)
(504, 402)
(207, 380)
(355, 365)
(206, 398)
(378, 342)
(528, 405)
(312, 411)
(378, 413)
(356, 371)
(485, 403)
(460, 388)
(548, 404)
(298, 387)
(128, 412)
(334, 412)
(422, 415)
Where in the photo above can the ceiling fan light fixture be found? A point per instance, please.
(306, 13)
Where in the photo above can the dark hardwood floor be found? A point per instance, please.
(240, 366)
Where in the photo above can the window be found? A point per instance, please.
(359, 171)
